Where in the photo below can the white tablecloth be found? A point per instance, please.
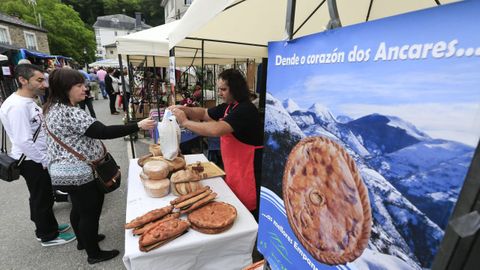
(228, 250)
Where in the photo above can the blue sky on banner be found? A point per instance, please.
(423, 67)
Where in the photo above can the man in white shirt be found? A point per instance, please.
(21, 117)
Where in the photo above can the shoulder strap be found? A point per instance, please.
(73, 152)
(68, 148)
(4, 143)
(35, 136)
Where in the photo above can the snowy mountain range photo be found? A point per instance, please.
(413, 179)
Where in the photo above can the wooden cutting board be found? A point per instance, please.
(210, 170)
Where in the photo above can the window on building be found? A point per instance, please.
(4, 35)
(188, 2)
(111, 52)
(115, 33)
(31, 40)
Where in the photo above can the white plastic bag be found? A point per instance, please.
(169, 135)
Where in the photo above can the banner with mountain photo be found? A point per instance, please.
(369, 133)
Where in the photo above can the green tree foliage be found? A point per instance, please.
(89, 10)
(67, 33)
(127, 7)
(152, 12)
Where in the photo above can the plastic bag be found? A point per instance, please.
(169, 135)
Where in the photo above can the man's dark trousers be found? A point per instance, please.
(41, 199)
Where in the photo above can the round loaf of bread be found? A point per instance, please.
(155, 150)
(157, 188)
(143, 177)
(179, 189)
(185, 176)
(143, 159)
(215, 217)
(156, 169)
(178, 163)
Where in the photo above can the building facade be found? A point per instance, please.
(16, 34)
(111, 51)
(108, 28)
(174, 9)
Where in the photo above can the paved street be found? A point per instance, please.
(19, 248)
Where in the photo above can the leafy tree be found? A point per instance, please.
(89, 10)
(67, 33)
(127, 7)
(152, 12)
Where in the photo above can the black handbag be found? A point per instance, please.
(106, 172)
(10, 167)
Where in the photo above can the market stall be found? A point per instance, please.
(105, 63)
(147, 56)
(193, 250)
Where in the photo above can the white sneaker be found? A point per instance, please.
(61, 239)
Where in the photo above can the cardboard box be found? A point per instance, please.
(141, 110)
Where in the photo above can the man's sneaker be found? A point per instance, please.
(61, 228)
(61, 239)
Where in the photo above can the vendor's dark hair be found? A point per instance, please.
(237, 84)
(60, 82)
(26, 71)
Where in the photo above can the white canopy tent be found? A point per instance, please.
(151, 46)
(105, 63)
(244, 27)
(240, 29)
(3, 57)
(152, 41)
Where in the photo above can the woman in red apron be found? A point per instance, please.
(238, 125)
(238, 163)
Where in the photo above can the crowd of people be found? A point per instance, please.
(108, 83)
(63, 121)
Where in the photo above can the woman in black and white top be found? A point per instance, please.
(81, 132)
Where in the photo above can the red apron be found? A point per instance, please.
(238, 163)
